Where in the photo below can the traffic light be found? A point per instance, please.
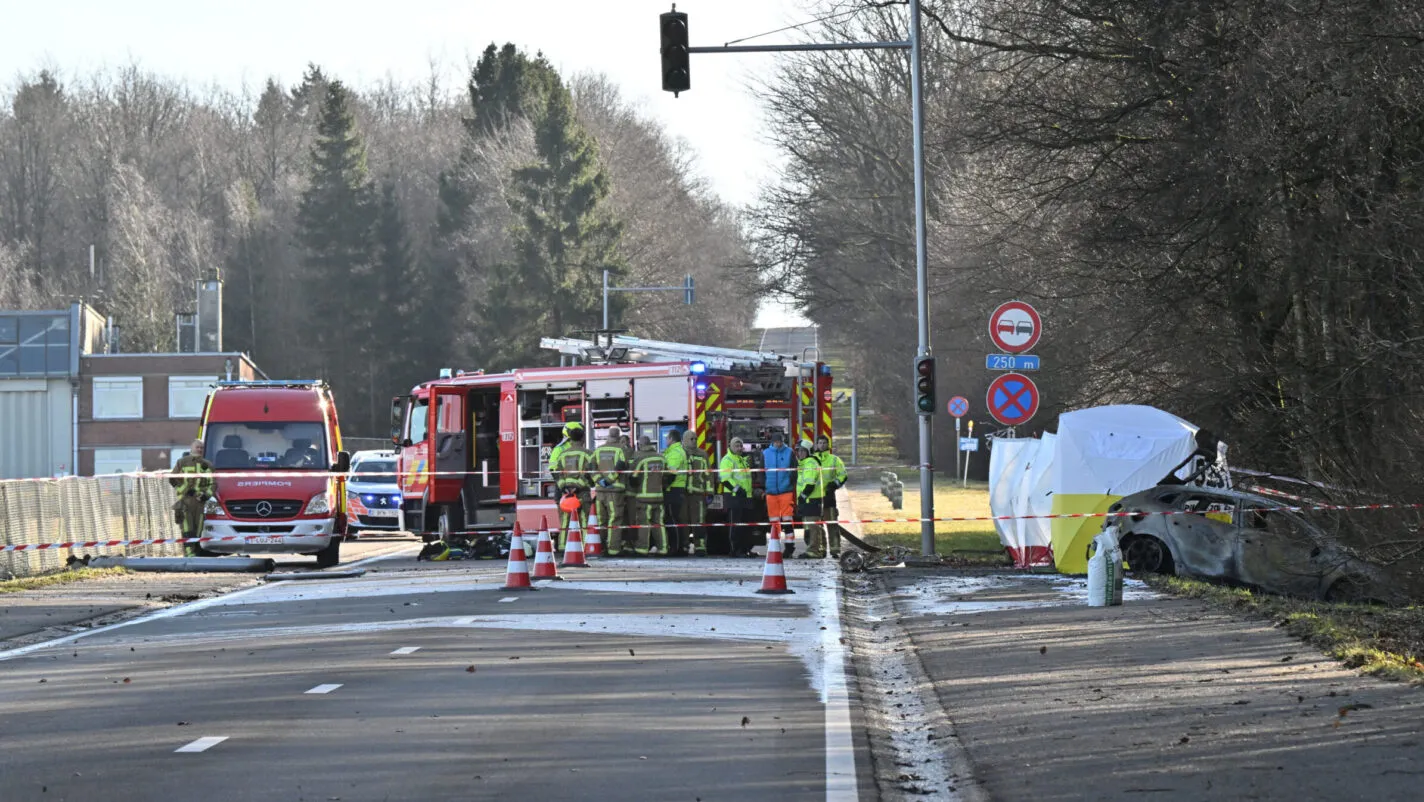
(677, 76)
(924, 385)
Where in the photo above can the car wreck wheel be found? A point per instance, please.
(1146, 555)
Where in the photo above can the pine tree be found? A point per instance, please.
(563, 241)
(409, 346)
(335, 222)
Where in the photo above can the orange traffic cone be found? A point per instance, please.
(773, 577)
(517, 576)
(594, 546)
(573, 546)
(544, 567)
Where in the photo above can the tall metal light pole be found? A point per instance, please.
(922, 306)
(675, 79)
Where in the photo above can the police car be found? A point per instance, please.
(373, 494)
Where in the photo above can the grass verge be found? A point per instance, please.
(61, 578)
(962, 542)
(1380, 641)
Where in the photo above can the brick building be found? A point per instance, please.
(140, 411)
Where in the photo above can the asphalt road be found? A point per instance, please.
(49, 612)
(789, 341)
(633, 680)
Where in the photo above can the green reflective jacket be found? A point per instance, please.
(675, 460)
(734, 474)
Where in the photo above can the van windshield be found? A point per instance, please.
(267, 446)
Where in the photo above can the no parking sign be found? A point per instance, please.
(1013, 399)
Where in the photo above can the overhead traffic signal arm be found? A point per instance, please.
(677, 75)
(924, 385)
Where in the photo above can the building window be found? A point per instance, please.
(186, 395)
(34, 345)
(118, 397)
(117, 460)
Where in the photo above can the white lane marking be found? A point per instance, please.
(508, 599)
(324, 688)
(406, 650)
(841, 784)
(202, 744)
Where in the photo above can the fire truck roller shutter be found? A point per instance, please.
(660, 398)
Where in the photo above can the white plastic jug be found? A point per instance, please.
(1105, 570)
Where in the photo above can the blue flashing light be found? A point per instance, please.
(698, 368)
(825, 370)
(701, 387)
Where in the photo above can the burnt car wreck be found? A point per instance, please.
(1241, 539)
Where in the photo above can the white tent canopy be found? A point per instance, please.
(1103, 454)
(1036, 499)
(1018, 487)
(1117, 450)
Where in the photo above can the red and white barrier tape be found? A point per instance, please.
(325, 474)
(948, 519)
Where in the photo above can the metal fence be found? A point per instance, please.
(83, 509)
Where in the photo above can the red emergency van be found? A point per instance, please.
(262, 438)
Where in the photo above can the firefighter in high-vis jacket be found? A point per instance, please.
(645, 481)
(833, 472)
(675, 495)
(194, 490)
(810, 492)
(735, 479)
(699, 484)
(611, 462)
(569, 463)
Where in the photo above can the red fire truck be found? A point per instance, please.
(474, 447)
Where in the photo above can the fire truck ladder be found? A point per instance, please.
(623, 349)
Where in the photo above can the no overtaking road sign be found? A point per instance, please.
(1015, 327)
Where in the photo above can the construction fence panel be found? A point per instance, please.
(83, 509)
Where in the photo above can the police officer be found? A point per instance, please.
(610, 475)
(193, 490)
(735, 480)
(833, 471)
(675, 496)
(570, 463)
(646, 483)
(810, 491)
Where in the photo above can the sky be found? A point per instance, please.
(229, 44)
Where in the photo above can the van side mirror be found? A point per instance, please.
(343, 462)
(397, 417)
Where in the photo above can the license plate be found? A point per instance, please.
(269, 540)
(383, 513)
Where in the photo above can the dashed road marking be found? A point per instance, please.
(406, 650)
(324, 688)
(202, 744)
(508, 599)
